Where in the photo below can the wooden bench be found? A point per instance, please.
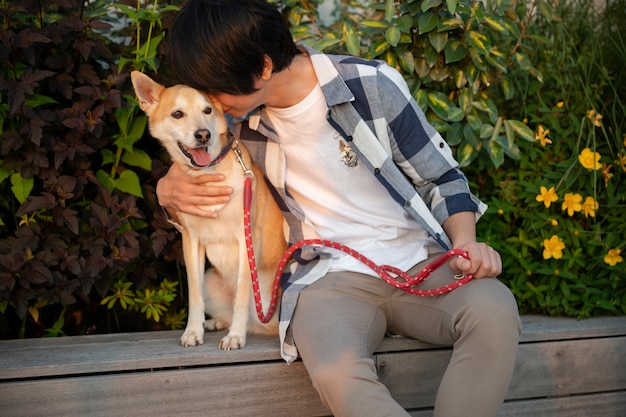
(565, 368)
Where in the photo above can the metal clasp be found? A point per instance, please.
(246, 171)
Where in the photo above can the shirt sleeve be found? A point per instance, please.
(421, 152)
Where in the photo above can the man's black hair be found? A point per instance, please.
(219, 46)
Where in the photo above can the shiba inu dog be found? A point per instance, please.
(194, 131)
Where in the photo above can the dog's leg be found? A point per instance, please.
(194, 256)
(236, 337)
(218, 301)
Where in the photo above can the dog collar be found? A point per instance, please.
(224, 150)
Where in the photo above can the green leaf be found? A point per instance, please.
(405, 23)
(466, 154)
(106, 180)
(128, 182)
(510, 149)
(486, 131)
(495, 25)
(520, 129)
(322, 44)
(353, 44)
(444, 108)
(4, 174)
(138, 158)
(439, 103)
(479, 41)
(454, 51)
(523, 61)
(465, 99)
(508, 88)
(390, 10)
(378, 47)
(427, 22)
(454, 136)
(497, 63)
(455, 114)
(407, 62)
(107, 157)
(377, 24)
(428, 4)
(21, 187)
(494, 149)
(438, 40)
(39, 100)
(392, 34)
(452, 5)
(449, 23)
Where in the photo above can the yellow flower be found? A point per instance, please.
(595, 118)
(560, 104)
(622, 162)
(613, 257)
(553, 248)
(590, 206)
(589, 159)
(542, 136)
(547, 196)
(572, 203)
(554, 222)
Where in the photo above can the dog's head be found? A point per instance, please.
(189, 125)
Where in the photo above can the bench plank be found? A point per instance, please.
(245, 390)
(598, 405)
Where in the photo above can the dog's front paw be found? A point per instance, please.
(192, 337)
(231, 342)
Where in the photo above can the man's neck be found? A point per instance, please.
(293, 84)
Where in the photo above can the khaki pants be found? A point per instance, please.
(341, 319)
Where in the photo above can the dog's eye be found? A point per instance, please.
(178, 114)
(207, 110)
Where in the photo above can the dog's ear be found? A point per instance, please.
(147, 90)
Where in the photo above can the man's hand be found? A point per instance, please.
(484, 261)
(182, 192)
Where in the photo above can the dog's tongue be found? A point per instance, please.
(200, 156)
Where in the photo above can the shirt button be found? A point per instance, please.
(407, 203)
(349, 138)
(376, 171)
(442, 145)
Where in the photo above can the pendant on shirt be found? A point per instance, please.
(347, 155)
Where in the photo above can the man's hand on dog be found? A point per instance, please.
(182, 192)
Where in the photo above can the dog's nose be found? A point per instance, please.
(202, 135)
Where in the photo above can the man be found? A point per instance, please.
(351, 158)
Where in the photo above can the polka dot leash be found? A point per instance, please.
(389, 274)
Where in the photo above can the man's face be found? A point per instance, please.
(240, 105)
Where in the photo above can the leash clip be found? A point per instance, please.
(246, 171)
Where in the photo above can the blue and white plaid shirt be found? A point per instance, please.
(371, 107)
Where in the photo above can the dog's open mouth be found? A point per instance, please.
(199, 157)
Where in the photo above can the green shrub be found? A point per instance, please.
(79, 212)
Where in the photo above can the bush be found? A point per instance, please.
(79, 214)
(520, 90)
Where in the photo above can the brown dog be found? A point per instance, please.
(194, 132)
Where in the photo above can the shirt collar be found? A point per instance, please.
(335, 89)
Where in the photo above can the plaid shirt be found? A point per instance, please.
(370, 105)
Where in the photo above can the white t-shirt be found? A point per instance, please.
(341, 199)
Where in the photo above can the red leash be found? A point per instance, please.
(406, 283)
